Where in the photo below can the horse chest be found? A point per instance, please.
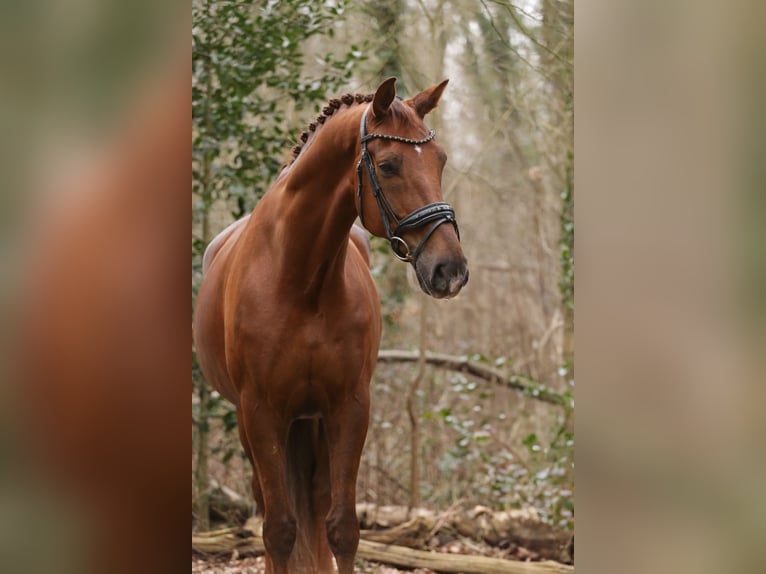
(330, 344)
(321, 362)
(309, 347)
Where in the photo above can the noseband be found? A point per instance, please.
(434, 213)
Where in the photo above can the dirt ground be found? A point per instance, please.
(255, 565)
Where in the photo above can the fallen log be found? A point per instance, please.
(227, 505)
(398, 526)
(441, 562)
(523, 528)
(248, 540)
(414, 533)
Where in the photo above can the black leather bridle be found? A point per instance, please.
(434, 213)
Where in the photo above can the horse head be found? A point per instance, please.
(400, 171)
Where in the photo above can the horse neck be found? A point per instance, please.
(314, 206)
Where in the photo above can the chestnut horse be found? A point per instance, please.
(287, 323)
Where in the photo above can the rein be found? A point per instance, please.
(434, 213)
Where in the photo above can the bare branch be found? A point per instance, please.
(526, 31)
(519, 382)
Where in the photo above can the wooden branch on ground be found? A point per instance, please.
(416, 529)
(227, 505)
(249, 540)
(414, 533)
(441, 562)
(522, 528)
(486, 372)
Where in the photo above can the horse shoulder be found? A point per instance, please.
(369, 303)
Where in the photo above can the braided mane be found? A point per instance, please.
(331, 107)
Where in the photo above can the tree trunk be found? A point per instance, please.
(202, 505)
(201, 446)
(386, 18)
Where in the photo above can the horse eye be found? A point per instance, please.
(387, 169)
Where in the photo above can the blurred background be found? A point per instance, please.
(439, 437)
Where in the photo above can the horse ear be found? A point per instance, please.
(428, 99)
(384, 95)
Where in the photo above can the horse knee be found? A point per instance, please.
(279, 533)
(343, 533)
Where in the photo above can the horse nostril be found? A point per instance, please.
(439, 278)
(444, 272)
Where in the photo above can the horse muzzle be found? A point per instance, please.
(442, 278)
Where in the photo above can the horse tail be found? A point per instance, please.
(308, 470)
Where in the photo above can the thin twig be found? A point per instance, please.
(524, 30)
(510, 46)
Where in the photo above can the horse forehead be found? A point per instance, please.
(406, 122)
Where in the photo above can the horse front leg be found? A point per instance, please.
(346, 433)
(266, 435)
(321, 499)
(256, 484)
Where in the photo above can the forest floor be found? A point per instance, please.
(256, 565)
(235, 564)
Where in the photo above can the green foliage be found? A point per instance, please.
(539, 476)
(248, 68)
